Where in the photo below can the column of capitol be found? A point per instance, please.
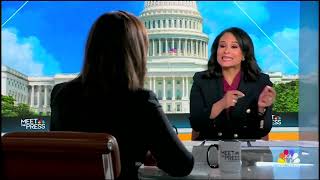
(177, 49)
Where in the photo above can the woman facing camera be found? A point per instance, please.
(108, 96)
(232, 99)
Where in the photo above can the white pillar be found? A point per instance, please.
(200, 48)
(153, 49)
(32, 96)
(173, 89)
(187, 88)
(204, 49)
(203, 53)
(179, 47)
(166, 46)
(197, 53)
(183, 24)
(192, 47)
(150, 83)
(38, 95)
(183, 88)
(172, 46)
(154, 85)
(164, 88)
(45, 95)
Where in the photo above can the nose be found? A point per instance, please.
(226, 50)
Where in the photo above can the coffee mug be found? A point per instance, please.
(226, 155)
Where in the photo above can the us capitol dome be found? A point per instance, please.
(177, 49)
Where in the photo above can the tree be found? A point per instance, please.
(9, 109)
(7, 106)
(23, 110)
(287, 99)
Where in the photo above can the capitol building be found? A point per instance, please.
(178, 48)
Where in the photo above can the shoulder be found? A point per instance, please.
(264, 77)
(200, 75)
(146, 97)
(263, 80)
(65, 89)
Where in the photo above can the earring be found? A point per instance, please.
(243, 59)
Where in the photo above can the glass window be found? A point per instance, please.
(169, 107)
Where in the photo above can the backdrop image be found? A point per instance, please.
(43, 43)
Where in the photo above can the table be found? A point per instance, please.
(259, 161)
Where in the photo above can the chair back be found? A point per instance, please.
(60, 155)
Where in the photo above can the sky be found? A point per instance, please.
(46, 38)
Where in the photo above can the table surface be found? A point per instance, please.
(259, 161)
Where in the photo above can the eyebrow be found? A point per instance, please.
(231, 42)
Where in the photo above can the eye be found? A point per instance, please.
(234, 46)
(222, 45)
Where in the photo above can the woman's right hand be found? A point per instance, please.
(231, 98)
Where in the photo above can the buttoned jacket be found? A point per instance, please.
(241, 121)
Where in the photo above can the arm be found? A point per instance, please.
(199, 111)
(264, 107)
(169, 152)
(55, 111)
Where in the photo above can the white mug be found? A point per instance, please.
(227, 156)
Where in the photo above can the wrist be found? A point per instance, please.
(261, 111)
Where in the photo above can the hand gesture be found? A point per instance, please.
(231, 98)
(266, 97)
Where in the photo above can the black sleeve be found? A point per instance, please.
(55, 111)
(266, 117)
(199, 110)
(169, 152)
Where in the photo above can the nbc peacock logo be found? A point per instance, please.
(288, 156)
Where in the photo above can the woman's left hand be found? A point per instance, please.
(267, 97)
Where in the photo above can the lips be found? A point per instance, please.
(227, 58)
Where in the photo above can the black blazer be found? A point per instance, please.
(136, 119)
(243, 122)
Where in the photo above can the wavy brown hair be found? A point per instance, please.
(116, 53)
(249, 66)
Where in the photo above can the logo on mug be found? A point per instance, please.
(230, 155)
(288, 156)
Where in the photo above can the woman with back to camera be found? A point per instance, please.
(233, 98)
(108, 96)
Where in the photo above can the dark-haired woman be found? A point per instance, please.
(108, 96)
(233, 98)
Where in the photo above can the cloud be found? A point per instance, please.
(26, 54)
(227, 14)
(271, 59)
(218, 16)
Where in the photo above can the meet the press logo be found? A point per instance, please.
(35, 123)
(276, 120)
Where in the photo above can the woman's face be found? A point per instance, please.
(229, 53)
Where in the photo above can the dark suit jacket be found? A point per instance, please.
(243, 122)
(136, 119)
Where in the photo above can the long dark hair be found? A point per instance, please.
(116, 53)
(249, 66)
